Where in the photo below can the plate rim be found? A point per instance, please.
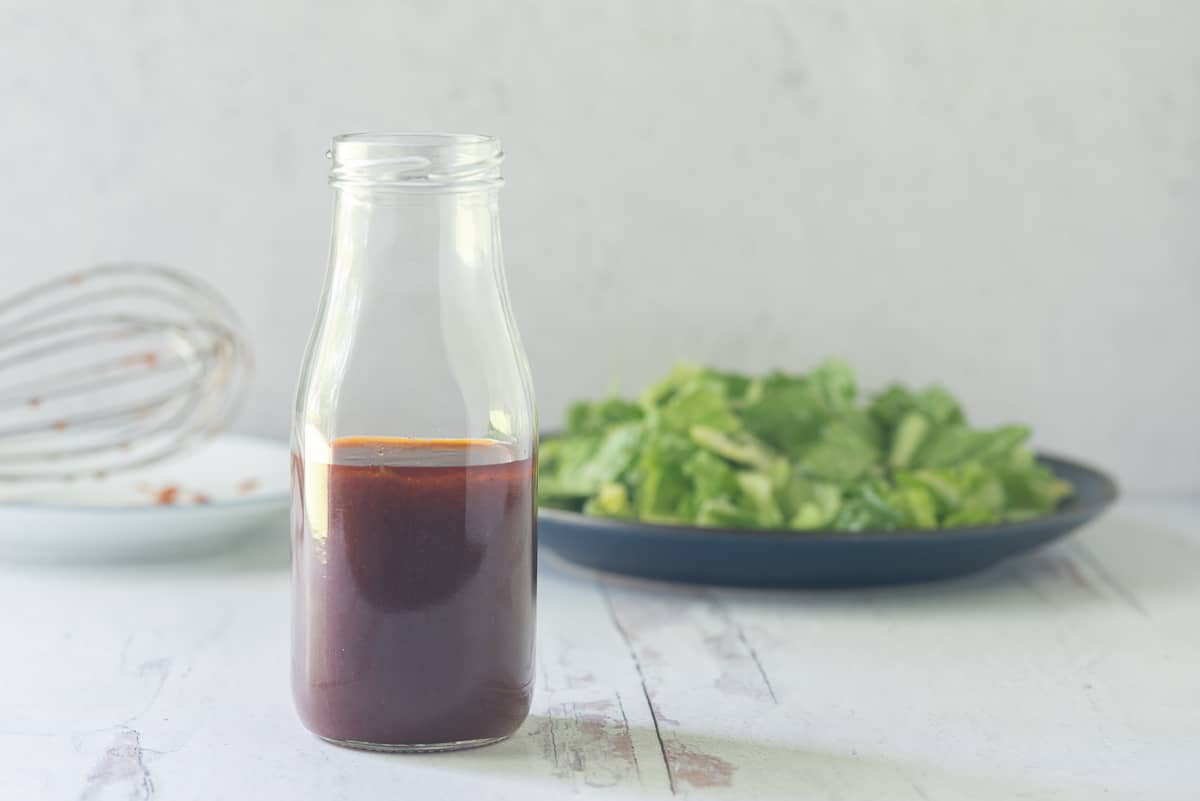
(1069, 511)
(265, 499)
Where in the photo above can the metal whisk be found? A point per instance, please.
(114, 368)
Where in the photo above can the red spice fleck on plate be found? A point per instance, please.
(247, 486)
(200, 497)
(35, 402)
(167, 496)
(59, 425)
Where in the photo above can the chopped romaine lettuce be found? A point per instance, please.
(715, 448)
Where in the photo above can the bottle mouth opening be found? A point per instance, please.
(446, 162)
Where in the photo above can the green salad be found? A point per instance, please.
(714, 448)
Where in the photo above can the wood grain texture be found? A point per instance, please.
(1066, 675)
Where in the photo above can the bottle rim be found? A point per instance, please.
(416, 161)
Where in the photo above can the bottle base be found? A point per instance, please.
(415, 748)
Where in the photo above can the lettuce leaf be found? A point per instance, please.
(585, 417)
(579, 466)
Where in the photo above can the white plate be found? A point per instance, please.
(206, 499)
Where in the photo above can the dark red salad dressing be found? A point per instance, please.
(417, 562)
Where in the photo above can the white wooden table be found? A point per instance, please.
(1071, 674)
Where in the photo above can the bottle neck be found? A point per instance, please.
(378, 235)
(414, 203)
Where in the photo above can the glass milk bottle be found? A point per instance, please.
(414, 521)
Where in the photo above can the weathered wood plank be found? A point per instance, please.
(690, 655)
(590, 718)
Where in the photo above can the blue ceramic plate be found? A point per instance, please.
(765, 558)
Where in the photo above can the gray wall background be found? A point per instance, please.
(1003, 196)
